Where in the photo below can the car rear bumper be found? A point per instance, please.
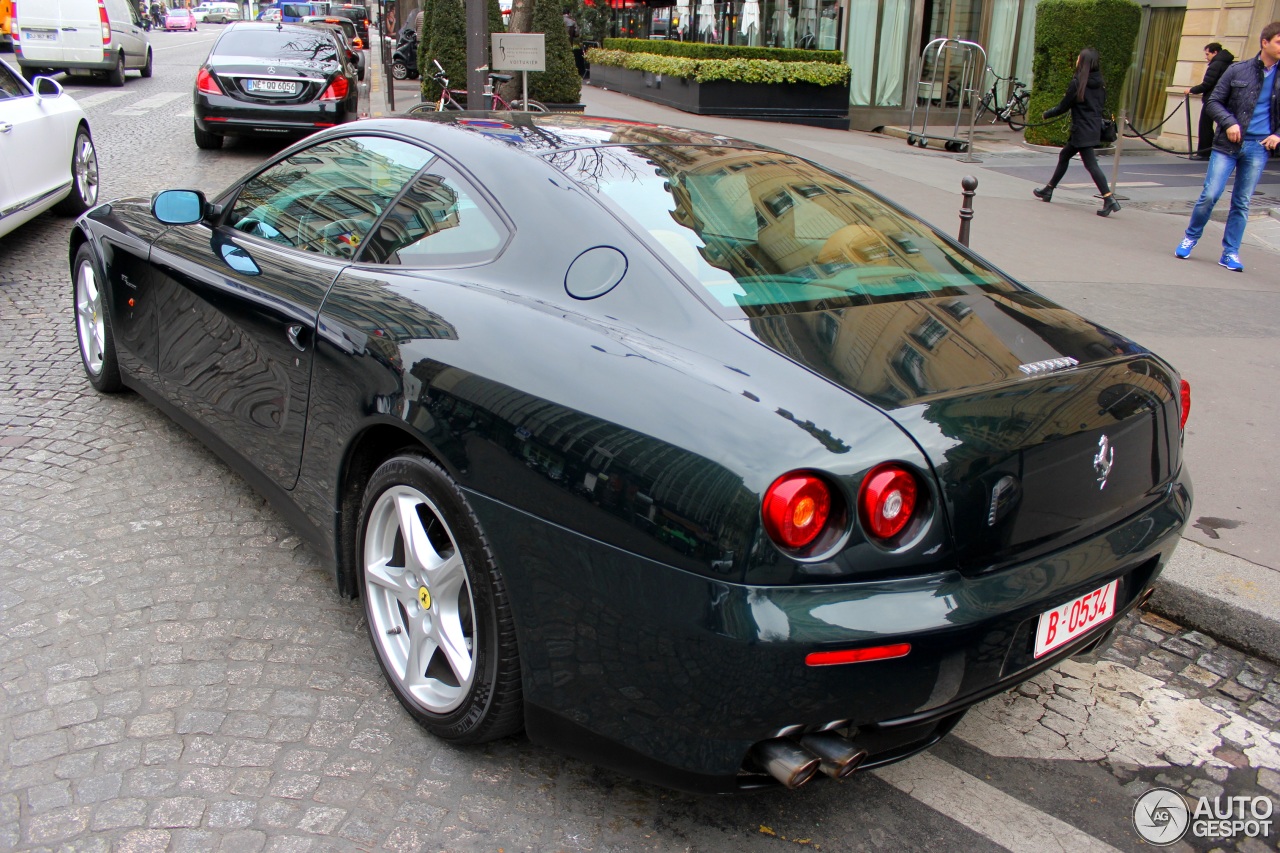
(674, 677)
(228, 117)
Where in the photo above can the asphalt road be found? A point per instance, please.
(177, 673)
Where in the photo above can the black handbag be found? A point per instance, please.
(1109, 132)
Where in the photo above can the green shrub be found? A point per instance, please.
(1063, 29)
(495, 20)
(447, 33)
(736, 70)
(424, 35)
(699, 50)
(560, 83)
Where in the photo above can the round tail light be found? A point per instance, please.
(796, 509)
(887, 500)
(1185, 394)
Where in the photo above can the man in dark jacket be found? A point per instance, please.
(1245, 105)
(1219, 60)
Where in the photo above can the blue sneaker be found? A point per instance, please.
(1231, 261)
(1184, 248)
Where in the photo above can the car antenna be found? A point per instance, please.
(279, 26)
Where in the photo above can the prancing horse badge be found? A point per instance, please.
(1103, 460)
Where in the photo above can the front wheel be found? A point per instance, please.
(986, 105)
(84, 177)
(399, 70)
(436, 604)
(93, 325)
(529, 106)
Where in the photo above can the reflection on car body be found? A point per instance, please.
(720, 490)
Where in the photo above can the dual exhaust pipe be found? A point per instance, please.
(793, 763)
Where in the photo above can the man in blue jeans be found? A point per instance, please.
(1245, 105)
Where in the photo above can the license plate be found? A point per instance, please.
(274, 87)
(39, 35)
(1063, 624)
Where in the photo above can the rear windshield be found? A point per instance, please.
(766, 233)
(278, 44)
(355, 13)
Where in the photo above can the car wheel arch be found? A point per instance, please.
(365, 452)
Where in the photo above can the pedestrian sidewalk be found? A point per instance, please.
(1108, 269)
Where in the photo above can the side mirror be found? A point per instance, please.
(178, 207)
(47, 87)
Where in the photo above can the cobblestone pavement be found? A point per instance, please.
(176, 672)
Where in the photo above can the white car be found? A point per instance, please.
(47, 150)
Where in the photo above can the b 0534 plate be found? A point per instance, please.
(1063, 624)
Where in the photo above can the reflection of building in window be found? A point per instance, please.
(779, 203)
(929, 332)
(909, 363)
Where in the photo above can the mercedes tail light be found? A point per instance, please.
(106, 22)
(887, 500)
(337, 90)
(1185, 395)
(796, 509)
(206, 83)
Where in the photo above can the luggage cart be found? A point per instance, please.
(939, 59)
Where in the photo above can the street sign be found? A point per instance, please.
(518, 52)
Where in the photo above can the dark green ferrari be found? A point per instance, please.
(687, 456)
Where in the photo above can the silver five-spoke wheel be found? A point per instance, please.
(89, 316)
(419, 599)
(85, 165)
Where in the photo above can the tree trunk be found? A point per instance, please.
(521, 21)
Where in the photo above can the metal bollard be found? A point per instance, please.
(968, 186)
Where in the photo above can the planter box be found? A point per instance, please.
(796, 103)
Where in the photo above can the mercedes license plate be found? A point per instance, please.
(1063, 624)
(272, 87)
(39, 35)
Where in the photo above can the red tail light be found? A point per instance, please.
(1186, 402)
(337, 90)
(206, 83)
(796, 508)
(887, 500)
(106, 22)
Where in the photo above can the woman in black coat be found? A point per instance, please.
(1085, 98)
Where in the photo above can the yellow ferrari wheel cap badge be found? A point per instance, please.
(424, 597)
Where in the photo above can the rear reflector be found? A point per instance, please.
(897, 650)
(1186, 403)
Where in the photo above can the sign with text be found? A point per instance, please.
(518, 52)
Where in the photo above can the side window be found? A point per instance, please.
(325, 198)
(9, 85)
(438, 222)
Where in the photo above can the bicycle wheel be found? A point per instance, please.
(986, 105)
(529, 106)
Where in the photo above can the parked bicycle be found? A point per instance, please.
(447, 101)
(1013, 109)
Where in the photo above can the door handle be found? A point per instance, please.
(293, 332)
(5, 127)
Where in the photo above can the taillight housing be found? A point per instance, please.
(106, 22)
(797, 508)
(337, 90)
(1185, 400)
(205, 82)
(888, 500)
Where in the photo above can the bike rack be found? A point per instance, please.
(948, 53)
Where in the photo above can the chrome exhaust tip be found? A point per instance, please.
(785, 761)
(838, 756)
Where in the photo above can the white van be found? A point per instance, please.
(216, 13)
(81, 37)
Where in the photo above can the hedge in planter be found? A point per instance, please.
(1063, 29)
(733, 70)
(447, 42)
(700, 50)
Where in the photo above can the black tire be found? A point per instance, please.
(84, 177)
(97, 344)
(985, 106)
(413, 628)
(116, 75)
(148, 69)
(529, 106)
(399, 70)
(207, 141)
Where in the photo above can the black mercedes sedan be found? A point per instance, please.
(687, 456)
(264, 79)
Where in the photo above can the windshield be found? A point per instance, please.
(767, 233)
(278, 44)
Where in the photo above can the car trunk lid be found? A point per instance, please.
(1041, 426)
(272, 82)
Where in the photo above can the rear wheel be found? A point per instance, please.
(93, 325)
(206, 140)
(84, 177)
(529, 106)
(436, 604)
(399, 70)
(147, 69)
(986, 105)
(116, 75)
